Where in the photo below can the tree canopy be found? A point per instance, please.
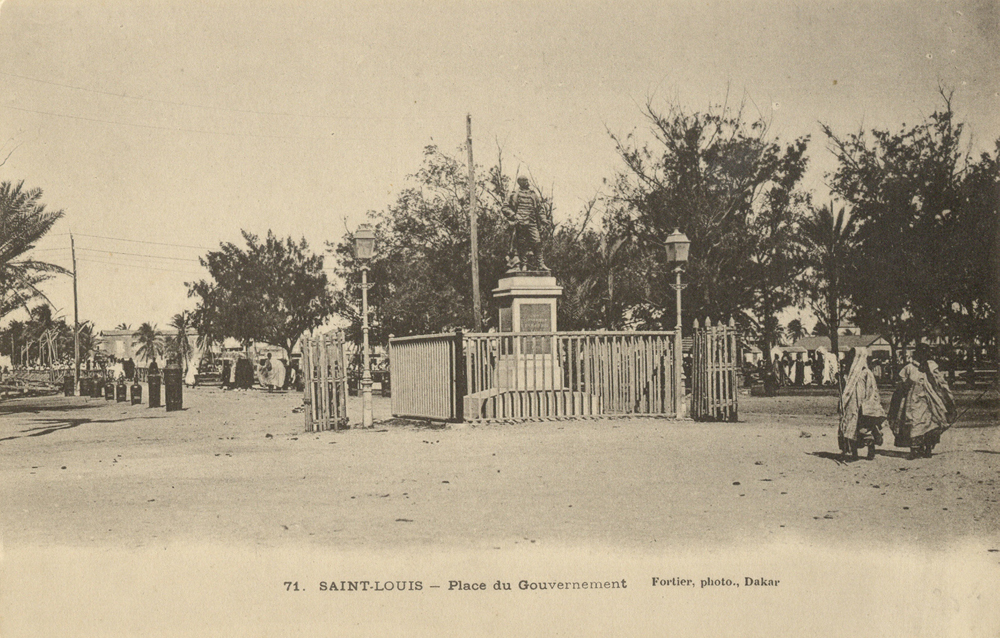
(178, 344)
(150, 342)
(731, 187)
(23, 221)
(827, 237)
(43, 339)
(421, 276)
(271, 291)
(926, 214)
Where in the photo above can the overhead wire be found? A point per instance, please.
(164, 128)
(121, 261)
(115, 252)
(126, 264)
(214, 108)
(108, 257)
(140, 241)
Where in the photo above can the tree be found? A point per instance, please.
(123, 326)
(42, 339)
(23, 221)
(828, 243)
(795, 330)
(589, 265)
(971, 259)
(150, 342)
(12, 339)
(179, 344)
(420, 278)
(731, 188)
(917, 196)
(88, 343)
(270, 291)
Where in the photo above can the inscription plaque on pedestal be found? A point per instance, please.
(536, 317)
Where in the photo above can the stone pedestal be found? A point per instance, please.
(527, 302)
(527, 306)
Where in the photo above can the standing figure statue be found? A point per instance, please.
(524, 212)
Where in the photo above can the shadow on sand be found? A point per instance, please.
(836, 457)
(840, 459)
(38, 408)
(60, 424)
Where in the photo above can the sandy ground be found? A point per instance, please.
(239, 468)
(227, 519)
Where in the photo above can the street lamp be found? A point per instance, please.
(677, 254)
(364, 250)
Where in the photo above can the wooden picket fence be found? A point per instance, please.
(497, 376)
(427, 373)
(714, 372)
(324, 370)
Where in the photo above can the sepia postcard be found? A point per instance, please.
(451, 318)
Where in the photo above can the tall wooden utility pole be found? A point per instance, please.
(477, 313)
(76, 320)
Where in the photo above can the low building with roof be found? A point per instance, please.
(874, 343)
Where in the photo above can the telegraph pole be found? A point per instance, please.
(477, 314)
(76, 319)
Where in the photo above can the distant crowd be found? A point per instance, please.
(818, 368)
(242, 373)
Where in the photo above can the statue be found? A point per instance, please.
(524, 212)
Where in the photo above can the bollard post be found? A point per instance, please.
(109, 390)
(136, 392)
(174, 386)
(96, 388)
(121, 391)
(154, 391)
(69, 385)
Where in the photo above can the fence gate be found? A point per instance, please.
(324, 369)
(427, 376)
(714, 380)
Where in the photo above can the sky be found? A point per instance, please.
(163, 128)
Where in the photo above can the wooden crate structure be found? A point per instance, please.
(714, 372)
(324, 370)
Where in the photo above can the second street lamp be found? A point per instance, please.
(364, 250)
(677, 254)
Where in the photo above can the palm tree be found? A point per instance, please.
(14, 336)
(795, 330)
(150, 342)
(23, 221)
(87, 342)
(179, 344)
(38, 332)
(207, 335)
(123, 326)
(829, 242)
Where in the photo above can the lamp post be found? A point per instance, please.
(677, 254)
(364, 250)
